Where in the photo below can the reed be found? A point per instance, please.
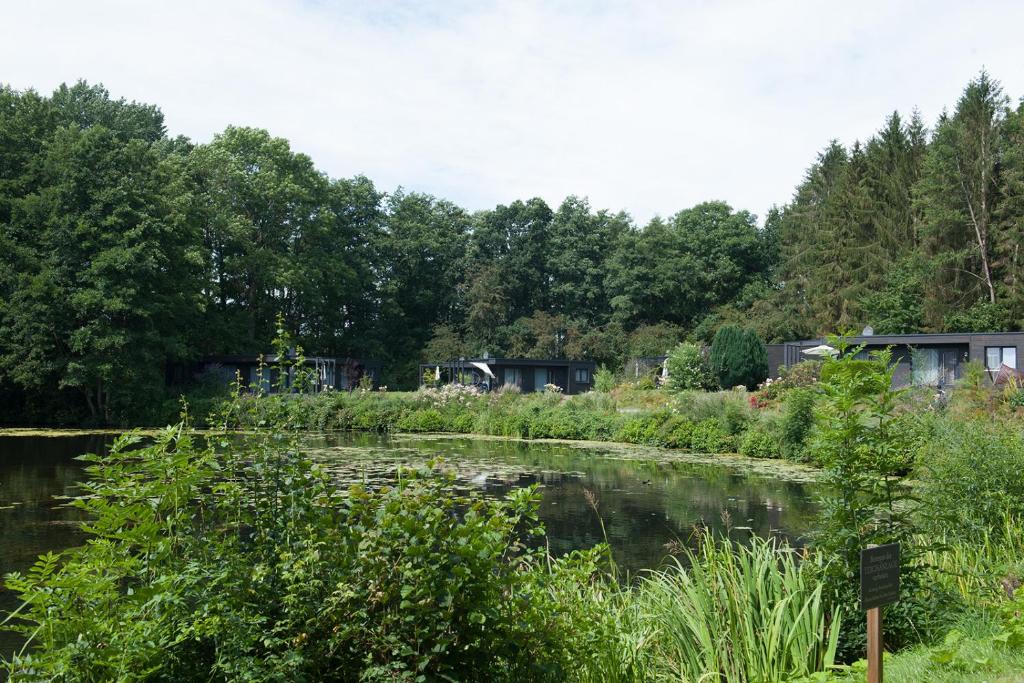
(736, 612)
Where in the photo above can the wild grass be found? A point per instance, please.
(970, 654)
(988, 567)
(726, 611)
(732, 611)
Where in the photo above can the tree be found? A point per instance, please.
(422, 255)
(738, 358)
(580, 244)
(957, 195)
(266, 214)
(104, 286)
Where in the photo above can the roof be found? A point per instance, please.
(273, 358)
(913, 339)
(514, 361)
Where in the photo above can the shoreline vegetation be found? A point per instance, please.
(239, 557)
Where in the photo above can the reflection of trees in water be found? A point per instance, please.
(644, 503)
(33, 470)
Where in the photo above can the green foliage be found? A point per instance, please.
(739, 613)
(970, 472)
(868, 375)
(857, 442)
(760, 444)
(738, 358)
(234, 556)
(710, 436)
(796, 423)
(687, 368)
(604, 380)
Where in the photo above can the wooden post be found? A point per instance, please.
(875, 645)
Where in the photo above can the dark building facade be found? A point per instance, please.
(929, 359)
(329, 372)
(529, 374)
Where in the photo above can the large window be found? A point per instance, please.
(996, 356)
(935, 366)
(582, 376)
(514, 376)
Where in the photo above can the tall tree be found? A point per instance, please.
(104, 287)
(957, 194)
(422, 251)
(264, 205)
(575, 264)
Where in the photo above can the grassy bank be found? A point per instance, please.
(716, 422)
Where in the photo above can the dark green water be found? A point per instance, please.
(646, 497)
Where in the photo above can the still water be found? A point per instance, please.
(646, 497)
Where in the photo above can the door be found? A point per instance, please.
(540, 378)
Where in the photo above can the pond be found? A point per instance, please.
(648, 498)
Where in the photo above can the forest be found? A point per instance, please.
(126, 251)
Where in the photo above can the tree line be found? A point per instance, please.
(125, 251)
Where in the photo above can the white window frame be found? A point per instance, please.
(1003, 357)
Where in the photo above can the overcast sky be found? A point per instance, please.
(644, 107)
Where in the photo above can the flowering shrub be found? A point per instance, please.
(448, 393)
(552, 388)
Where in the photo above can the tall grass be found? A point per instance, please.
(984, 568)
(733, 612)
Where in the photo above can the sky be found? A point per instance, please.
(646, 107)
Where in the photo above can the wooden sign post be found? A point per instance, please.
(879, 585)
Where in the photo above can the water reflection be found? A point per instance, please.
(644, 503)
(646, 497)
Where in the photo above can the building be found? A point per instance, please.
(529, 374)
(929, 359)
(329, 372)
(654, 366)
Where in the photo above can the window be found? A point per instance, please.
(514, 376)
(995, 356)
(582, 376)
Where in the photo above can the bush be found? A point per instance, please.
(971, 476)
(759, 444)
(730, 408)
(687, 368)
(245, 561)
(857, 441)
(710, 437)
(677, 432)
(604, 380)
(425, 420)
(643, 430)
(796, 423)
(869, 375)
(738, 358)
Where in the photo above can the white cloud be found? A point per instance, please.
(646, 107)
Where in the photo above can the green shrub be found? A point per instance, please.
(644, 429)
(759, 444)
(677, 432)
(738, 358)
(796, 423)
(604, 380)
(868, 374)
(731, 408)
(687, 368)
(710, 437)
(803, 374)
(857, 441)
(245, 562)
(971, 476)
(423, 420)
